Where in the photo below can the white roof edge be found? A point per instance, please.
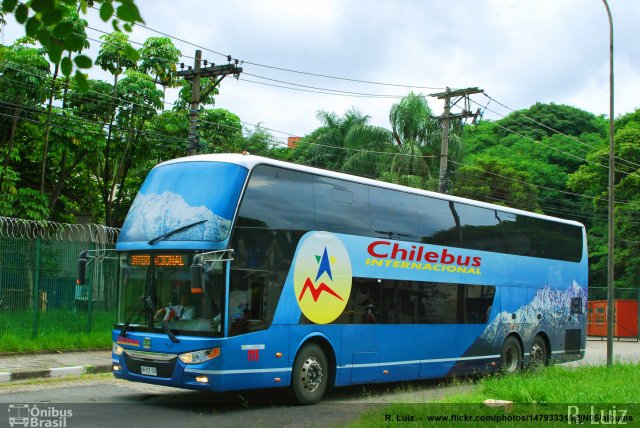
(251, 161)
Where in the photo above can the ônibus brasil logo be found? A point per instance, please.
(322, 277)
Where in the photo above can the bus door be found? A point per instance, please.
(361, 334)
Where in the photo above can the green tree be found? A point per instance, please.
(47, 22)
(73, 138)
(494, 181)
(72, 20)
(347, 143)
(112, 57)
(169, 129)
(141, 101)
(221, 131)
(522, 141)
(24, 72)
(592, 179)
(208, 91)
(418, 136)
(158, 57)
(544, 120)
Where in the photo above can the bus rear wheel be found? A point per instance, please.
(538, 357)
(310, 374)
(511, 356)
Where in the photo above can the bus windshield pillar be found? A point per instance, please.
(226, 298)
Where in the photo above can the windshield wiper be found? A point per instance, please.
(165, 324)
(165, 327)
(148, 304)
(180, 229)
(125, 327)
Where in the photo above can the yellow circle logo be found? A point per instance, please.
(322, 277)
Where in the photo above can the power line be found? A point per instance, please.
(102, 42)
(326, 90)
(367, 151)
(573, 139)
(547, 145)
(165, 102)
(282, 68)
(576, 140)
(257, 126)
(543, 187)
(317, 92)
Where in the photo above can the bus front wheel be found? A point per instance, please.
(310, 374)
(511, 356)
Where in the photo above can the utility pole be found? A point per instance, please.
(445, 119)
(218, 72)
(611, 210)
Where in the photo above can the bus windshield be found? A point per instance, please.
(156, 293)
(182, 203)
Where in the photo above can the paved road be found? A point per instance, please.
(596, 354)
(105, 401)
(110, 402)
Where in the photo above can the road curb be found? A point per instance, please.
(53, 372)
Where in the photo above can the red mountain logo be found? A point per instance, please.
(315, 292)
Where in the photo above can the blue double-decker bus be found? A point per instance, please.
(241, 272)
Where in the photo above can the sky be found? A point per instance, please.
(518, 51)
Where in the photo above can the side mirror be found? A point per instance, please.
(82, 268)
(196, 272)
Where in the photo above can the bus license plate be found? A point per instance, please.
(149, 371)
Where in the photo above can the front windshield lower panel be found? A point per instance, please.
(155, 289)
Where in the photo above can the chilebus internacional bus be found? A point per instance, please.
(241, 272)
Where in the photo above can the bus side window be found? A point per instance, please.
(366, 304)
(387, 206)
(341, 206)
(436, 222)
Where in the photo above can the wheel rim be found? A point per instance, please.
(311, 374)
(510, 359)
(537, 354)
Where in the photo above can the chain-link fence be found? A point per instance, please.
(626, 312)
(39, 297)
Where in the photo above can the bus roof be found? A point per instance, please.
(251, 161)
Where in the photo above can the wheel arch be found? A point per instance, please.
(547, 341)
(518, 338)
(327, 347)
(520, 342)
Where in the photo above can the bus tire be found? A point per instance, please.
(310, 376)
(538, 356)
(511, 356)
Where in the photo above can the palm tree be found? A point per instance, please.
(368, 150)
(345, 143)
(418, 135)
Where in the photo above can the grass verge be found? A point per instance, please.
(56, 341)
(550, 397)
(55, 330)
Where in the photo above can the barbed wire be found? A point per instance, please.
(17, 228)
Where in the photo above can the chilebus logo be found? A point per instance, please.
(322, 277)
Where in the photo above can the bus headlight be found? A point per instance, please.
(198, 357)
(117, 349)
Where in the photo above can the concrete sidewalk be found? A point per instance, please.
(42, 365)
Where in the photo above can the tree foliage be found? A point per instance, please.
(98, 143)
(52, 24)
